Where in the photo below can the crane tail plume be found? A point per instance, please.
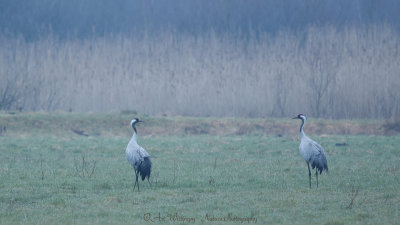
(320, 163)
(145, 168)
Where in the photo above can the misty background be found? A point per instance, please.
(335, 59)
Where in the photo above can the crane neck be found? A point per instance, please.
(302, 134)
(134, 136)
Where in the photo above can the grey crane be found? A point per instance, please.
(138, 157)
(312, 152)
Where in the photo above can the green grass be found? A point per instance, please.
(251, 175)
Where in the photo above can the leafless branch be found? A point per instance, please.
(353, 196)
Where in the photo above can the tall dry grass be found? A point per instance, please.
(323, 72)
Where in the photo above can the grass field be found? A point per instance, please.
(71, 169)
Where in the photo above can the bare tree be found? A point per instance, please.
(322, 60)
(14, 87)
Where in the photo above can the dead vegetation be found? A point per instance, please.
(86, 169)
(391, 127)
(340, 74)
(353, 196)
(3, 129)
(118, 125)
(79, 132)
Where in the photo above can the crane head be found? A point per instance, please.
(135, 121)
(300, 116)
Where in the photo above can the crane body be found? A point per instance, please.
(138, 157)
(311, 151)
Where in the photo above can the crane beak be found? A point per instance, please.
(295, 117)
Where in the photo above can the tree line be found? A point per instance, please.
(323, 72)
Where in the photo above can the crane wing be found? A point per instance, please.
(318, 158)
(142, 153)
(136, 156)
(316, 148)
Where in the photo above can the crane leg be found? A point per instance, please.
(137, 177)
(316, 175)
(148, 179)
(136, 181)
(309, 172)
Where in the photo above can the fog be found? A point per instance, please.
(329, 59)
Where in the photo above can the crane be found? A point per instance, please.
(312, 152)
(138, 156)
